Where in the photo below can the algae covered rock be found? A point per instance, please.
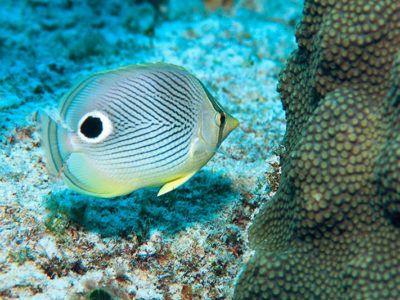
(332, 231)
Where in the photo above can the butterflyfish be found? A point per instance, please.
(152, 125)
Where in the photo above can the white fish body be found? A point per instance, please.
(133, 127)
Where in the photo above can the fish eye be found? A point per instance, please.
(217, 119)
(94, 127)
(220, 118)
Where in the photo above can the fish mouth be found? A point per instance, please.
(231, 124)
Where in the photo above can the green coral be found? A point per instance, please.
(332, 231)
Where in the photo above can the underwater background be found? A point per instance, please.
(188, 244)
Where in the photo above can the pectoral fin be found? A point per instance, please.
(170, 186)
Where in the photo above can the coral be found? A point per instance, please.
(332, 229)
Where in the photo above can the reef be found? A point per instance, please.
(332, 230)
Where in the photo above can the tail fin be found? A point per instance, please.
(54, 144)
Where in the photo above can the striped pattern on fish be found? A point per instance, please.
(137, 126)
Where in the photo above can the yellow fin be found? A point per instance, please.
(170, 186)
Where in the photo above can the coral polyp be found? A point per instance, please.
(332, 230)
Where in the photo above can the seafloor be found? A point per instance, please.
(188, 244)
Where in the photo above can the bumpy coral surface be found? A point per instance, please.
(332, 230)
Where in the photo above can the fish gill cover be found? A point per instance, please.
(332, 230)
(189, 244)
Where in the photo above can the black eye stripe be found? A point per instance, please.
(222, 118)
(92, 127)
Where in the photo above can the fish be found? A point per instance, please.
(138, 126)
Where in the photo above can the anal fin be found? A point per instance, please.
(170, 186)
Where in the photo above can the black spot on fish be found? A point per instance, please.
(92, 127)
